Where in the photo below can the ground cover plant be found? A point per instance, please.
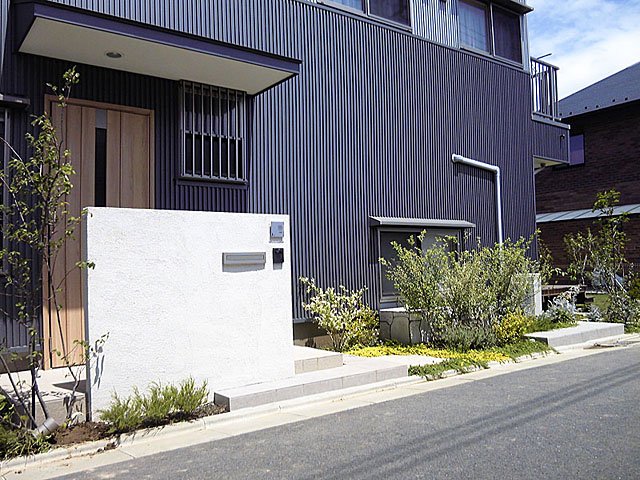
(461, 362)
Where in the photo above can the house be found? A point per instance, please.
(344, 114)
(605, 151)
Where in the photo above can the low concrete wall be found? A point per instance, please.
(170, 307)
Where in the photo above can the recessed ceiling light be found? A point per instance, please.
(113, 54)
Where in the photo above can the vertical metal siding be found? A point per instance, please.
(368, 128)
(4, 17)
(549, 141)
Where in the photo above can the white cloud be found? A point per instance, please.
(589, 39)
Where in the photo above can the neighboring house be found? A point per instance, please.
(344, 114)
(605, 155)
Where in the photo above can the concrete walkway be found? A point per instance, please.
(250, 420)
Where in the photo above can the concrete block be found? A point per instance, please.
(402, 326)
(390, 373)
(359, 379)
(583, 332)
(330, 361)
(322, 386)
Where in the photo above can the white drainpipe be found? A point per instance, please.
(491, 168)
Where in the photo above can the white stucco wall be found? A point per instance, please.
(160, 291)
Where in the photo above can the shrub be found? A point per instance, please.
(123, 414)
(417, 275)
(343, 314)
(189, 398)
(160, 405)
(464, 338)
(462, 295)
(21, 442)
(563, 307)
(512, 328)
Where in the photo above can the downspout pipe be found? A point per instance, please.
(495, 170)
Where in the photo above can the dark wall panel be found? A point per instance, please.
(550, 141)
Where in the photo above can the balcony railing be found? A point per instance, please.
(544, 88)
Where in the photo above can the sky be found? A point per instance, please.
(589, 39)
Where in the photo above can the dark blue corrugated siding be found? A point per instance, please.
(550, 141)
(368, 128)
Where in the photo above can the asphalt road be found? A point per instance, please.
(574, 419)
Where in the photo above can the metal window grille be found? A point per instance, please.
(213, 133)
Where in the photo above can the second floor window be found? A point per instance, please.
(213, 132)
(396, 11)
(491, 29)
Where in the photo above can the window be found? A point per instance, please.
(506, 35)
(576, 146)
(474, 31)
(214, 132)
(401, 236)
(491, 29)
(396, 11)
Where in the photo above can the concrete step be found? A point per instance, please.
(311, 359)
(56, 387)
(583, 332)
(355, 372)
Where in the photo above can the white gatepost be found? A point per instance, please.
(186, 294)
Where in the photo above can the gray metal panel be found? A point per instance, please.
(585, 214)
(418, 222)
(620, 88)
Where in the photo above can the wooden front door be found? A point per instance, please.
(111, 150)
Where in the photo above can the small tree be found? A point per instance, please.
(37, 227)
(597, 258)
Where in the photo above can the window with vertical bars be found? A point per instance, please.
(213, 133)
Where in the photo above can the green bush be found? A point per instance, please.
(634, 287)
(20, 443)
(462, 295)
(343, 314)
(123, 414)
(189, 398)
(464, 338)
(512, 328)
(160, 405)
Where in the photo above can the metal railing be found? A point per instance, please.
(544, 89)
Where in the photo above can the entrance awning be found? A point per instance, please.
(85, 37)
(418, 222)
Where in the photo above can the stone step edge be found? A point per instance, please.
(284, 393)
(576, 337)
